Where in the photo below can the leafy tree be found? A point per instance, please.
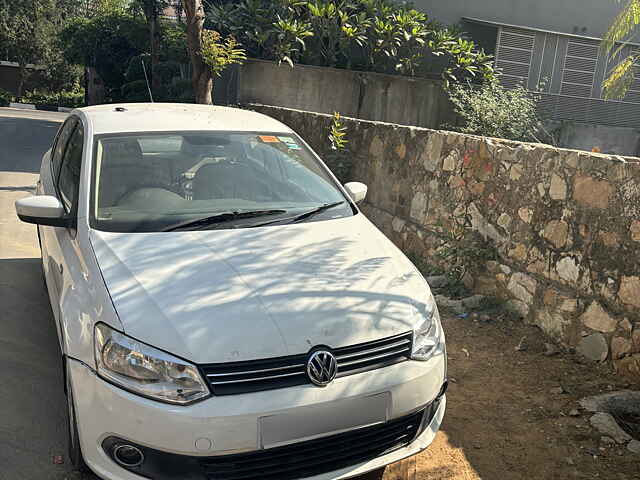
(104, 44)
(30, 30)
(622, 75)
(174, 42)
(26, 30)
(219, 53)
(152, 10)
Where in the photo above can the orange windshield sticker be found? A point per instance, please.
(268, 139)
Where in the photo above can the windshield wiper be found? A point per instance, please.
(221, 218)
(301, 216)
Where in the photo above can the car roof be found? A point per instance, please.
(172, 117)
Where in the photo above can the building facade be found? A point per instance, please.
(552, 47)
(584, 17)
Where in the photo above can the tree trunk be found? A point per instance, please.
(23, 74)
(201, 77)
(95, 87)
(153, 21)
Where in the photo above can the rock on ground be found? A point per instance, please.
(607, 425)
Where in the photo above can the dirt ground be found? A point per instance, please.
(508, 412)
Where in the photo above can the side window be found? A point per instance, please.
(69, 179)
(61, 143)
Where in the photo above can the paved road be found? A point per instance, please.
(32, 406)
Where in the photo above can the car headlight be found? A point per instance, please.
(145, 370)
(427, 334)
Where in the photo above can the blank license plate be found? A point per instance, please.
(306, 423)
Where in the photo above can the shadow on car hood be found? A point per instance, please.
(242, 294)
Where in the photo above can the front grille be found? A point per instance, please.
(315, 457)
(256, 375)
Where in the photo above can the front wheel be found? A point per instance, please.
(73, 441)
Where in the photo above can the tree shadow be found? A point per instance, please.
(319, 288)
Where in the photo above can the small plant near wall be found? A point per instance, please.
(492, 110)
(339, 156)
(219, 53)
(459, 251)
(462, 250)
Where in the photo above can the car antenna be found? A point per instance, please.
(144, 69)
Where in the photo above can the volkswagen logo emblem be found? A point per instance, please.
(322, 368)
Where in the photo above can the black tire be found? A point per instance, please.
(73, 442)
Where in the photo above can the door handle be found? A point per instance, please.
(61, 268)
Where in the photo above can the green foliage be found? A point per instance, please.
(5, 98)
(135, 91)
(168, 71)
(495, 111)
(621, 77)
(339, 156)
(218, 53)
(174, 42)
(459, 250)
(65, 98)
(181, 91)
(462, 58)
(373, 35)
(338, 134)
(134, 69)
(27, 31)
(107, 43)
(290, 40)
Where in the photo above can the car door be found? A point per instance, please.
(49, 172)
(62, 243)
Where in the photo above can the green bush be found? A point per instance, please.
(134, 69)
(69, 99)
(180, 91)
(136, 91)
(373, 35)
(168, 71)
(5, 98)
(492, 110)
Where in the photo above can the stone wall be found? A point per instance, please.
(565, 225)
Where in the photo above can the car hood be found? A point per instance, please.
(242, 294)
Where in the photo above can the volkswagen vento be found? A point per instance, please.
(224, 309)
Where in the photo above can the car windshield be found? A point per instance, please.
(204, 180)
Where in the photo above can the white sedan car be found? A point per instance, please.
(224, 309)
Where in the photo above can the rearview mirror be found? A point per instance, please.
(357, 191)
(43, 210)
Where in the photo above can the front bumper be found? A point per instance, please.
(231, 425)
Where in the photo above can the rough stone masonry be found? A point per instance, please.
(565, 224)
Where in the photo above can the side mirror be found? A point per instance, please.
(43, 210)
(357, 191)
